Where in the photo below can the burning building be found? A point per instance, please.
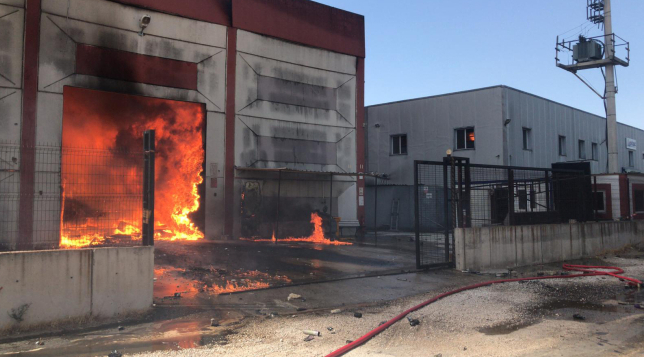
(257, 107)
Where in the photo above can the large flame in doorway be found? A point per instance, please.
(316, 237)
(114, 123)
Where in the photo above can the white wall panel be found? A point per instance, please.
(124, 17)
(11, 45)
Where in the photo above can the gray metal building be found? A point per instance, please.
(494, 125)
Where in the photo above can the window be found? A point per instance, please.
(526, 138)
(594, 151)
(523, 200)
(562, 145)
(526, 198)
(465, 138)
(631, 159)
(599, 201)
(638, 200)
(582, 154)
(399, 144)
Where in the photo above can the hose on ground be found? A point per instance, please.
(587, 270)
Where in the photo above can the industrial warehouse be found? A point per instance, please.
(205, 178)
(494, 126)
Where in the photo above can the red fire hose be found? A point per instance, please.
(586, 269)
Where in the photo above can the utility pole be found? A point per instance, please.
(587, 54)
(610, 93)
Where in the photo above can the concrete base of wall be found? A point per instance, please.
(504, 246)
(49, 287)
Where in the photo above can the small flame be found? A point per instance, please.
(316, 237)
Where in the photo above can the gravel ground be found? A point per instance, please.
(513, 319)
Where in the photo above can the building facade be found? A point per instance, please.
(497, 126)
(279, 83)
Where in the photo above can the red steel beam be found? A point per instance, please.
(28, 134)
(134, 67)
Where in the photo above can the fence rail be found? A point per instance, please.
(82, 197)
(454, 193)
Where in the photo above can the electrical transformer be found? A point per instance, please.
(585, 51)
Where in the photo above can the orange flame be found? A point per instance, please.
(316, 237)
(92, 119)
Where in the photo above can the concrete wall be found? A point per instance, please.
(295, 107)
(504, 246)
(12, 22)
(62, 285)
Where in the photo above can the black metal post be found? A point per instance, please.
(460, 203)
(593, 198)
(277, 209)
(453, 208)
(511, 197)
(547, 185)
(148, 213)
(416, 214)
(331, 216)
(375, 211)
(468, 220)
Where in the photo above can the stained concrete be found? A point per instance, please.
(54, 286)
(503, 246)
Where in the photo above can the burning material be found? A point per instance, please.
(193, 282)
(232, 287)
(101, 191)
(316, 237)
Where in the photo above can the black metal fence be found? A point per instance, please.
(80, 198)
(455, 193)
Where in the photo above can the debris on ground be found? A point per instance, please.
(312, 332)
(120, 328)
(401, 279)
(301, 309)
(349, 341)
(40, 343)
(579, 317)
(413, 322)
(214, 323)
(177, 295)
(308, 338)
(358, 315)
(336, 311)
(382, 322)
(330, 329)
(115, 353)
(293, 296)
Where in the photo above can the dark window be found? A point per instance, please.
(631, 159)
(526, 138)
(523, 200)
(582, 153)
(562, 145)
(465, 138)
(594, 151)
(599, 201)
(532, 198)
(399, 144)
(638, 201)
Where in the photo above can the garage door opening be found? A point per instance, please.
(94, 204)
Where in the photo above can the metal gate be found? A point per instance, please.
(454, 193)
(433, 221)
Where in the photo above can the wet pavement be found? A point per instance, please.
(193, 273)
